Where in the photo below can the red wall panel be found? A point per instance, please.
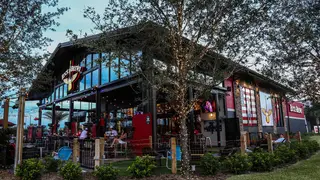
(141, 133)
(230, 94)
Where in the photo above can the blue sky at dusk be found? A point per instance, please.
(73, 20)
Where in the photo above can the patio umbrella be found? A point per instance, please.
(9, 123)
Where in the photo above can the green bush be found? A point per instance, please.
(51, 164)
(263, 161)
(142, 167)
(285, 154)
(301, 149)
(238, 163)
(106, 172)
(30, 169)
(313, 146)
(71, 171)
(210, 164)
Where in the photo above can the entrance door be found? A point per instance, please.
(232, 129)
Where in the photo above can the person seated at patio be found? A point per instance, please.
(110, 134)
(84, 134)
(120, 140)
(79, 132)
(281, 139)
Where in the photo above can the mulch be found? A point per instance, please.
(8, 175)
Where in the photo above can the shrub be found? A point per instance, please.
(51, 164)
(142, 167)
(106, 172)
(238, 163)
(285, 155)
(262, 161)
(71, 171)
(30, 169)
(210, 164)
(301, 149)
(313, 146)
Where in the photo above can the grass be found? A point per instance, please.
(304, 170)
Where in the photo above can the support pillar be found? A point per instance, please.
(153, 107)
(20, 129)
(218, 118)
(40, 116)
(54, 126)
(6, 113)
(98, 113)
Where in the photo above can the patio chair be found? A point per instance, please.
(178, 156)
(63, 154)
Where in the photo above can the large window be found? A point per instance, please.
(95, 58)
(95, 78)
(89, 61)
(65, 90)
(82, 82)
(105, 69)
(124, 68)
(88, 80)
(114, 69)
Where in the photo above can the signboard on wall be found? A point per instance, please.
(295, 109)
(266, 109)
(72, 75)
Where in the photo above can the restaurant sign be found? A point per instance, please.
(295, 109)
(72, 75)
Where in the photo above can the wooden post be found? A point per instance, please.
(270, 143)
(173, 156)
(243, 143)
(76, 150)
(20, 129)
(287, 135)
(6, 113)
(299, 136)
(150, 141)
(248, 139)
(97, 156)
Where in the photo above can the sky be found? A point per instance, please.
(72, 19)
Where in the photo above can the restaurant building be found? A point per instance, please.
(100, 96)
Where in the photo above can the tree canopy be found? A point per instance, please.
(22, 43)
(292, 46)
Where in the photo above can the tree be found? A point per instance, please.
(292, 46)
(22, 44)
(198, 41)
(59, 116)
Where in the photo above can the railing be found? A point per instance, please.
(87, 150)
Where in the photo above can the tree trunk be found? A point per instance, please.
(184, 143)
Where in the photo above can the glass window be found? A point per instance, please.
(135, 59)
(61, 91)
(124, 68)
(76, 105)
(105, 69)
(95, 58)
(57, 93)
(84, 105)
(88, 80)
(114, 70)
(65, 90)
(95, 78)
(88, 61)
(82, 84)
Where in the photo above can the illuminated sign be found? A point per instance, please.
(295, 109)
(72, 75)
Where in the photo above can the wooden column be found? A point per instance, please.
(173, 156)
(270, 144)
(76, 150)
(243, 143)
(98, 154)
(248, 139)
(6, 113)
(20, 129)
(150, 141)
(287, 136)
(299, 136)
